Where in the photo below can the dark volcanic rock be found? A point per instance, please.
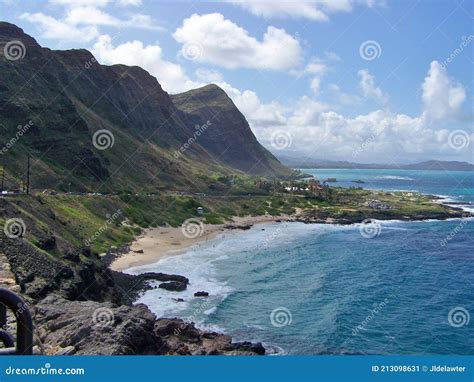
(93, 328)
(249, 347)
(175, 286)
(201, 294)
(164, 277)
(184, 339)
(243, 227)
(87, 327)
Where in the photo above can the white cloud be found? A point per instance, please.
(95, 3)
(209, 76)
(315, 85)
(134, 3)
(226, 44)
(379, 136)
(81, 20)
(150, 57)
(307, 112)
(317, 10)
(343, 98)
(256, 112)
(367, 85)
(442, 96)
(52, 28)
(282, 9)
(89, 15)
(80, 3)
(318, 68)
(332, 56)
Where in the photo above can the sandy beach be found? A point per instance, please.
(159, 242)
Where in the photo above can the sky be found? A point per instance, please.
(374, 81)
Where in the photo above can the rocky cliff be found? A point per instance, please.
(62, 98)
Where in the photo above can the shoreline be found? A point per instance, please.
(161, 242)
(158, 243)
(154, 244)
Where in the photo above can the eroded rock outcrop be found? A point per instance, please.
(87, 327)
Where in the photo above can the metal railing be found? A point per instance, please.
(24, 325)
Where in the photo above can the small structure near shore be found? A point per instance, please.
(200, 211)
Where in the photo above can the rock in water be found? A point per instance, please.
(201, 294)
(175, 286)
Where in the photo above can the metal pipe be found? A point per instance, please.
(3, 315)
(24, 322)
(7, 339)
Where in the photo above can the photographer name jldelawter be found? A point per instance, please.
(447, 369)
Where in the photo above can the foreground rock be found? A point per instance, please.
(174, 331)
(87, 327)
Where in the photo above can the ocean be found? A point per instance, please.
(327, 289)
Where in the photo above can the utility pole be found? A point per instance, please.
(28, 176)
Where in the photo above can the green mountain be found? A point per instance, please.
(60, 99)
(211, 103)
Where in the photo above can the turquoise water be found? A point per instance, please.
(327, 289)
(457, 185)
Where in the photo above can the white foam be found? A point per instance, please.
(394, 177)
(210, 311)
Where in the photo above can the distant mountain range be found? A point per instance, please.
(159, 141)
(427, 165)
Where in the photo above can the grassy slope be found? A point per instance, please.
(78, 218)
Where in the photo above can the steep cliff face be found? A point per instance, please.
(230, 138)
(68, 97)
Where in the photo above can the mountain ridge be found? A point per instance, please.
(424, 165)
(69, 97)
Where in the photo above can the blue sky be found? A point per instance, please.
(297, 70)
